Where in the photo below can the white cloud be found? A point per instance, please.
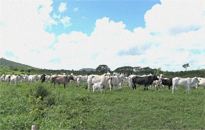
(23, 29)
(66, 21)
(56, 16)
(62, 7)
(110, 43)
(179, 15)
(75, 9)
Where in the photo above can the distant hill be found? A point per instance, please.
(87, 69)
(12, 64)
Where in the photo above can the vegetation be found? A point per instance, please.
(24, 105)
(22, 69)
(14, 66)
(103, 69)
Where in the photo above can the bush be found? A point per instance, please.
(41, 91)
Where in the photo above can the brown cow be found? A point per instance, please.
(61, 80)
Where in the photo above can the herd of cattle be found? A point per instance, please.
(108, 80)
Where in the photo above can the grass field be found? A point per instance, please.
(24, 105)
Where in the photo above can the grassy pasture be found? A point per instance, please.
(24, 105)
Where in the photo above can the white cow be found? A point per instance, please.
(99, 85)
(32, 78)
(184, 82)
(16, 79)
(3, 77)
(130, 80)
(38, 77)
(115, 81)
(74, 78)
(98, 78)
(25, 78)
(201, 82)
(124, 82)
(158, 83)
(48, 78)
(81, 79)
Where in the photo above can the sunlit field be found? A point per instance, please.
(24, 105)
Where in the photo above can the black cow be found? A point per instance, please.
(167, 81)
(43, 78)
(143, 80)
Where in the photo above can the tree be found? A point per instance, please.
(103, 68)
(185, 66)
(158, 71)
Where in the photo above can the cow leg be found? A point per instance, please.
(144, 87)
(196, 86)
(173, 88)
(89, 85)
(135, 86)
(188, 89)
(110, 87)
(106, 87)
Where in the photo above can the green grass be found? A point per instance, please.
(75, 108)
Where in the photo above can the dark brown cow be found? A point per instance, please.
(61, 80)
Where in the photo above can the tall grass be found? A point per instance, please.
(23, 105)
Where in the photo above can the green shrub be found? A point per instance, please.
(41, 90)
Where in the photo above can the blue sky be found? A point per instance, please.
(83, 14)
(66, 34)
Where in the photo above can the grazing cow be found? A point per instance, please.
(43, 78)
(98, 78)
(16, 79)
(143, 80)
(167, 81)
(184, 82)
(61, 80)
(81, 79)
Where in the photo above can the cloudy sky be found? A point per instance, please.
(84, 34)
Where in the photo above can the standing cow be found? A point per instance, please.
(81, 79)
(65, 79)
(16, 79)
(98, 78)
(143, 80)
(43, 78)
(188, 82)
(167, 81)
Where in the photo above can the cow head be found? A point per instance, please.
(155, 77)
(43, 78)
(195, 80)
(71, 77)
